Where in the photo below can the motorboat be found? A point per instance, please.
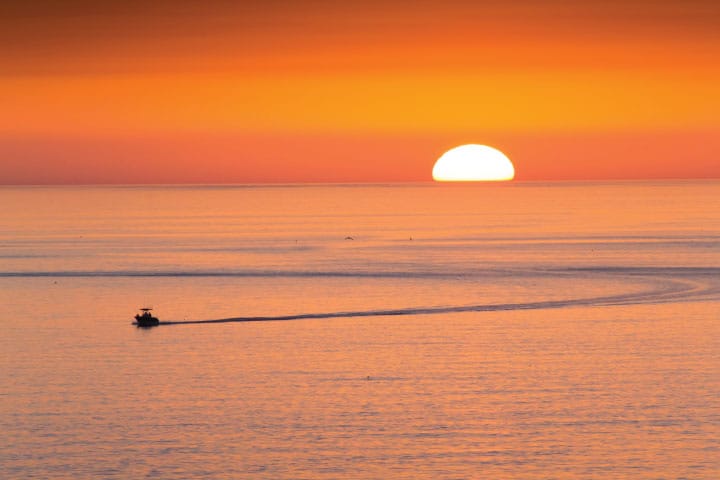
(146, 319)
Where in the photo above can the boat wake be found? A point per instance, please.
(668, 285)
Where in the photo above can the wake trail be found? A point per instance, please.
(669, 290)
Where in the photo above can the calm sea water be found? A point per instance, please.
(512, 331)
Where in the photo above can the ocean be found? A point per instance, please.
(506, 331)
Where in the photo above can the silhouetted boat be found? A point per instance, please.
(145, 319)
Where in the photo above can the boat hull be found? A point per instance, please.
(146, 321)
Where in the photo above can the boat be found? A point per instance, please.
(145, 319)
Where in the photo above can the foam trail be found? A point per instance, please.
(232, 274)
(669, 291)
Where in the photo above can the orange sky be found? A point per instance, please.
(278, 91)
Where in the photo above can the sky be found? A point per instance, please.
(372, 91)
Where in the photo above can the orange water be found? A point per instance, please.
(539, 331)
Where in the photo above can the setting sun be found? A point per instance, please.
(473, 163)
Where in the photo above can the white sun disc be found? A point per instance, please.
(473, 163)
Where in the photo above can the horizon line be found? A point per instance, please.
(362, 183)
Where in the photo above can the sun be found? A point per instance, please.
(473, 163)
